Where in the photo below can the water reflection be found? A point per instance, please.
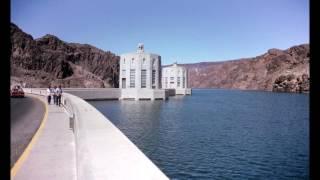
(219, 134)
(137, 114)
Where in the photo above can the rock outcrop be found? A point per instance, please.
(276, 70)
(291, 83)
(49, 60)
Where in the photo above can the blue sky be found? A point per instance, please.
(186, 31)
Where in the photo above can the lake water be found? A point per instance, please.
(219, 134)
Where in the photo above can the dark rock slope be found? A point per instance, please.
(49, 60)
(276, 70)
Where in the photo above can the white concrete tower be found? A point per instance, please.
(139, 71)
(175, 77)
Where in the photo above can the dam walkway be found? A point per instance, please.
(77, 142)
(51, 152)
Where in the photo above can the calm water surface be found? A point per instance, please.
(219, 134)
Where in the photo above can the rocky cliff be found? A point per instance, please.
(276, 70)
(49, 60)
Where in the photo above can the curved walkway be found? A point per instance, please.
(51, 152)
(96, 150)
(26, 115)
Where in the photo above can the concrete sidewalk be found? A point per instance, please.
(52, 156)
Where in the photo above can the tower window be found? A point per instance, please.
(132, 78)
(153, 76)
(183, 82)
(143, 78)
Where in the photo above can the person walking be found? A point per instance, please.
(55, 95)
(52, 93)
(59, 94)
(49, 94)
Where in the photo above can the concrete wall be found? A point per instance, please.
(95, 93)
(117, 94)
(137, 94)
(187, 91)
(102, 150)
(86, 93)
(170, 92)
(112, 93)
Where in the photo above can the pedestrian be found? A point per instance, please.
(52, 93)
(59, 94)
(49, 94)
(55, 95)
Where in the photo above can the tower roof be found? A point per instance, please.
(140, 48)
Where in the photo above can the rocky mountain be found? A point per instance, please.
(49, 60)
(276, 70)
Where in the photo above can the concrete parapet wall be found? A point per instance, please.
(186, 91)
(137, 94)
(102, 150)
(116, 93)
(95, 93)
(171, 92)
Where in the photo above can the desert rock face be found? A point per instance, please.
(291, 83)
(48, 60)
(276, 70)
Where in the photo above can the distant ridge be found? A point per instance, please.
(49, 60)
(276, 70)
